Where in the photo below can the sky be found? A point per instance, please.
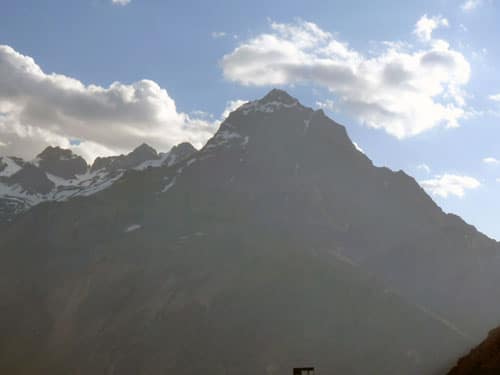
(415, 83)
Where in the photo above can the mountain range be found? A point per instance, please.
(277, 244)
(57, 175)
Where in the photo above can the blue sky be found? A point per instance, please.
(206, 54)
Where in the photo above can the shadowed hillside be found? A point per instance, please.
(277, 244)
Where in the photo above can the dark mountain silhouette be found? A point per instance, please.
(482, 360)
(277, 244)
(139, 155)
(32, 180)
(61, 163)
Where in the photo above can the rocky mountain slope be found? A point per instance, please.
(57, 175)
(277, 244)
(482, 360)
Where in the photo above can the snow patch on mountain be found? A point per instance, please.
(169, 185)
(132, 228)
(10, 167)
(266, 107)
(19, 193)
(227, 136)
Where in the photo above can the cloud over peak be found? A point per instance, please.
(400, 89)
(37, 109)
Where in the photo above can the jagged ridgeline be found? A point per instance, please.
(58, 175)
(276, 245)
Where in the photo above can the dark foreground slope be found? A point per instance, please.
(212, 296)
(209, 300)
(277, 244)
(482, 360)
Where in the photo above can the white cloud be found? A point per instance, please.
(38, 109)
(231, 106)
(326, 104)
(470, 5)
(424, 167)
(401, 90)
(121, 2)
(425, 26)
(494, 97)
(490, 160)
(450, 184)
(218, 34)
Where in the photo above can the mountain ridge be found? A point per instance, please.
(277, 243)
(58, 174)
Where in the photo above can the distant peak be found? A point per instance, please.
(280, 96)
(56, 152)
(144, 147)
(275, 99)
(184, 146)
(145, 151)
(51, 150)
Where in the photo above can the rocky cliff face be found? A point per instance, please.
(61, 163)
(139, 155)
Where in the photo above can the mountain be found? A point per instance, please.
(57, 175)
(482, 360)
(61, 163)
(138, 156)
(278, 244)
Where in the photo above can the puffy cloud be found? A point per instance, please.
(424, 167)
(38, 109)
(121, 2)
(425, 26)
(450, 184)
(490, 160)
(400, 89)
(470, 5)
(495, 97)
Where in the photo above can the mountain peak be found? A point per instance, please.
(144, 148)
(61, 162)
(184, 147)
(280, 96)
(139, 155)
(275, 99)
(56, 152)
(178, 153)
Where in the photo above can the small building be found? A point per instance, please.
(303, 371)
